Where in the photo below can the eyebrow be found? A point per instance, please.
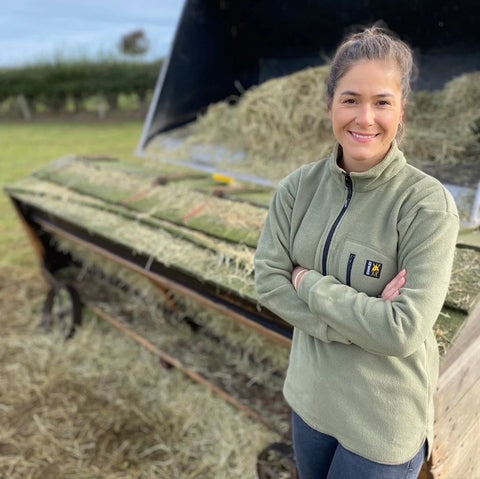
(353, 93)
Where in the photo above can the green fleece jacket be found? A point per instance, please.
(361, 369)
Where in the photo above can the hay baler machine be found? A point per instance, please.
(177, 232)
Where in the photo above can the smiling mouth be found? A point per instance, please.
(363, 137)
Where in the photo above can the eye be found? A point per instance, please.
(384, 102)
(349, 101)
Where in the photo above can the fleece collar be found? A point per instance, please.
(374, 177)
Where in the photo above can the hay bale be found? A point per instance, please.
(227, 264)
(180, 202)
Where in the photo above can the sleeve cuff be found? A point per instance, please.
(326, 333)
(308, 280)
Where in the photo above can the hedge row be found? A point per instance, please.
(54, 84)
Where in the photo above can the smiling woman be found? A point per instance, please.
(349, 257)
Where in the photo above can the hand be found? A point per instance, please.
(392, 290)
(297, 275)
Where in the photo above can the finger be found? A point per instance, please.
(393, 295)
(398, 282)
(392, 289)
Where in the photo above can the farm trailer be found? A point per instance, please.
(203, 201)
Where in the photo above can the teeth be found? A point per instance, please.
(362, 137)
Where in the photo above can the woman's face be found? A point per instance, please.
(366, 110)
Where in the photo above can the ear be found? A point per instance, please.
(330, 112)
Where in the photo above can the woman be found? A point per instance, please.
(356, 254)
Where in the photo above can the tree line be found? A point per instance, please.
(52, 86)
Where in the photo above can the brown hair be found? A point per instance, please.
(373, 43)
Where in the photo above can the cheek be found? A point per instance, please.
(340, 118)
(390, 121)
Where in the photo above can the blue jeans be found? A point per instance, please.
(320, 456)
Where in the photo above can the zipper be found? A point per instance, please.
(349, 185)
(351, 259)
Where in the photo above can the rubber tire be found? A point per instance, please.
(62, 308)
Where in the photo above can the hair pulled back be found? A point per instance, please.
(373, 43)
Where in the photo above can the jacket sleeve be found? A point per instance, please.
(427, 238)
(273, 269)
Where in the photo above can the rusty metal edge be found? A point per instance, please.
(167, 283)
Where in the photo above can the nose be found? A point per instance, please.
(365, 115)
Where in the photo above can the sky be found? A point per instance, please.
(33, 31)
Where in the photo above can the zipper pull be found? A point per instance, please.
(349, 185)
(348, 181)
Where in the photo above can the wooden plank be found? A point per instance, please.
(451, 426)
(457, 425)
(458, 379)
(463, 461)
(468, 334)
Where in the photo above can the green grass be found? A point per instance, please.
(29, 146)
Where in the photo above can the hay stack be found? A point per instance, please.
(444, 125)
(280, 117)
(277, 126)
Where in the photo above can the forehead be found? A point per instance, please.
(370, 75)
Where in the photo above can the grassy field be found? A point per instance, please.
(98, 406)
(28, 146)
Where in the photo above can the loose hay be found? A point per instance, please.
(257, 352)
(99, 406)
(283, 123)
(464, 288)
(444, 126)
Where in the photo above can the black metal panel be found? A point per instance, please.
(223, 45)
(201, 69)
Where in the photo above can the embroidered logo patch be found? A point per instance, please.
(372, 269)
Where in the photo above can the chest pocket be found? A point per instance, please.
(366, 269)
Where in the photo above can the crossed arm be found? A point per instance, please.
(389, 293)
(395, 323)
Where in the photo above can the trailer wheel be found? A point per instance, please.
(277, 460)
(62, 310)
